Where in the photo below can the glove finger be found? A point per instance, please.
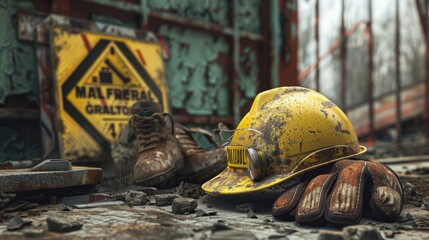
(344, 205)
(386, 198)
(285, 205)
(312, 204)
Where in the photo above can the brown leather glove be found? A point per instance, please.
(341, 194)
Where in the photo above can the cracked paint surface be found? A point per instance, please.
(196, 82)
(18, 73)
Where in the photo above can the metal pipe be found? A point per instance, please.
(316, 34)
(398, 75)
(343, 62)
(426, 27)
(371, 138)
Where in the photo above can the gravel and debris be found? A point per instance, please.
(191, 190)
(63, 224)
(244, 208)
(165, 199)
(195, 215)
(136, 198)
(183, 205)
(233, 235)
(16, 223)
(330, 235)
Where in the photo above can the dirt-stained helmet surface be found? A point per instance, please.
(288, 131)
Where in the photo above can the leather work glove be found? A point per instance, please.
(342, 193)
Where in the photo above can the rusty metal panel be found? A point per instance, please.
(98, 78)
(25, 180)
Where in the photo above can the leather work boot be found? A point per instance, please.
(158, 156)
(200, 165)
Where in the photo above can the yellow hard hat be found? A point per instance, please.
(288, 131)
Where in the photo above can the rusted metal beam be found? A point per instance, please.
(316, 35)
(170, 18)
(398, 75)
(62, 7)
(200, 120)
(26, 180)
(343, 62)
(288, 60)
(423, 17)
(371, 137)
(21, 113)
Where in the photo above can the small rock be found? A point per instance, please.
(330, 235)
(424, 206)
(220, 227)
(268, 220)
(409, 217)
(183, 205)
(165, 199)
(201, 213)
(251, 214)
(244, 208)
(63, 224)
(233, 235)
(277, 237)
(17, 223)
(135, 198)
(389, 234)
(190, 190)
(361, 232)
(409, 189)
(287, 231)
(64, 207)
(34, 232)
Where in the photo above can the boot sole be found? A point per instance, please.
(161, 177)
(199, 177)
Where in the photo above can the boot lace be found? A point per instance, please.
(151, 130)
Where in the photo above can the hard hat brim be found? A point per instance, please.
(236, 181)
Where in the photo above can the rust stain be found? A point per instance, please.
(328, 104)
(324, 112)
(338, 128)
(296, 89)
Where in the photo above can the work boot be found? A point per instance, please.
(158, 156)
(200, 165)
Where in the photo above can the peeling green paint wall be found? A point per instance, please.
(18, 72)
(207, 11)
(196, 81)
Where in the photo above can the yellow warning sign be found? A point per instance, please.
(99, 77)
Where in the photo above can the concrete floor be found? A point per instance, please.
(153, 222)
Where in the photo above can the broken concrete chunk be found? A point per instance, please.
(220, 227)
(361, 232)
(64, 207)
(330, 235)
(233, 235)
(244, 208)
(389, 234)
(251, 214)
(190, 190)
(165, 199)
(34, 232)
(409, 189)
(17, 223)
(202, 213)
(183, 205)
(63, 224)
(135, 198)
